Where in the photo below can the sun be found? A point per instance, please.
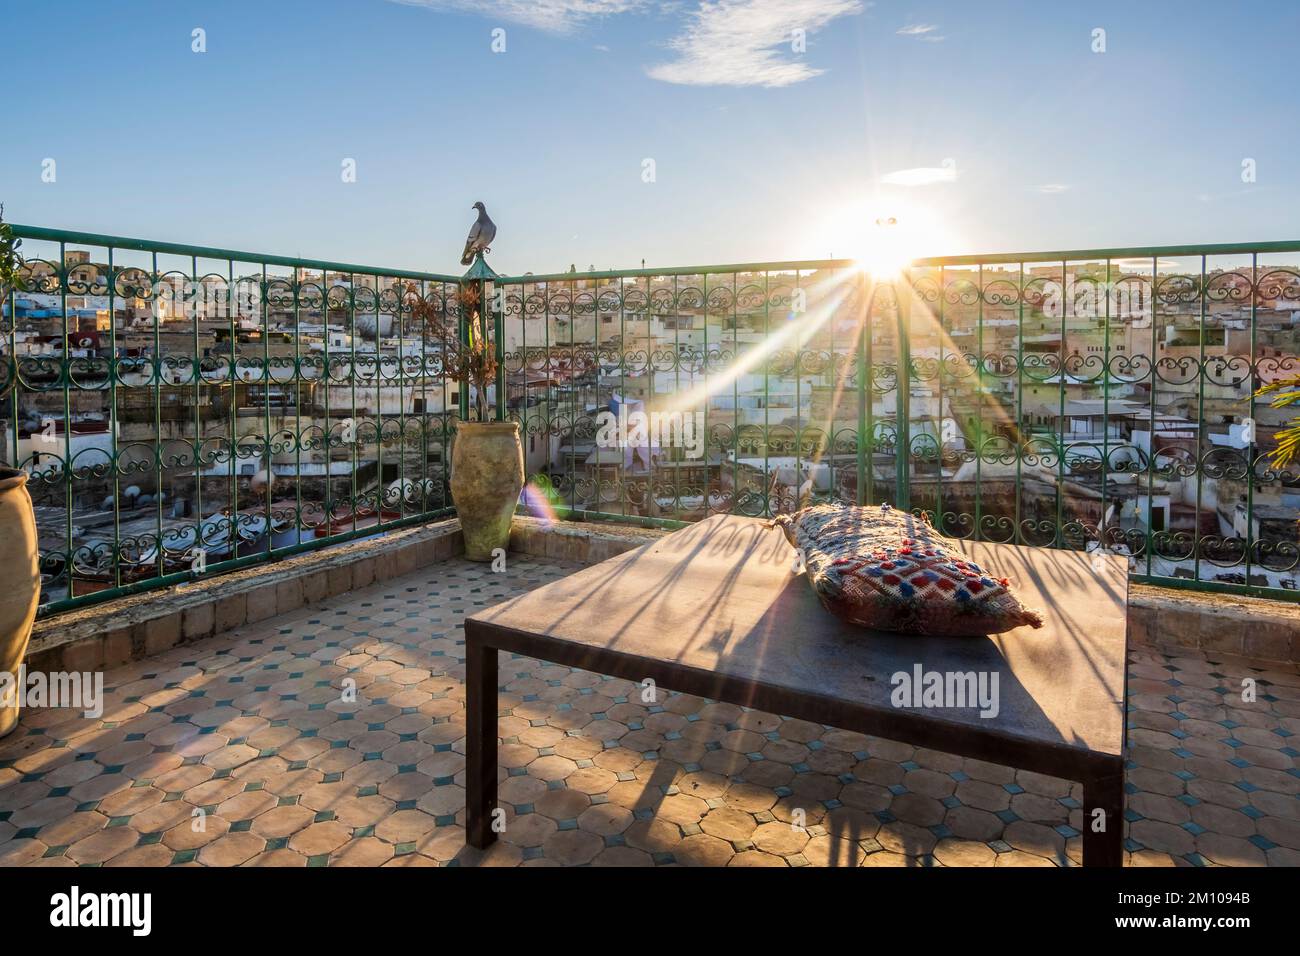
(884, 235)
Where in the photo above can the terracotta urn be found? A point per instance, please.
(487, 474)
(20, 560)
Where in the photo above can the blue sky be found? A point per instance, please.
(760, 152)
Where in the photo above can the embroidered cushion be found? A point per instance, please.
(893, 571)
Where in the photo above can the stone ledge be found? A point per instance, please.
(130, 628)
(1226, 624)
(577, 541)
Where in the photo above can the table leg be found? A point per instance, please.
(1104, 793)
(480, 743)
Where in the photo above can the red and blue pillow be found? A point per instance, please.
(891, 570)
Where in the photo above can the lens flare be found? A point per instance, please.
(798, 328)
(538, 502)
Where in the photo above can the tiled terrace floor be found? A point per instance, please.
(250, 728)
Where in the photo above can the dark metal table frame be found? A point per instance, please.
(1101, 774)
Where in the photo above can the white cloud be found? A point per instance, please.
(920, 175)
(748, 42)
(553, 16)
(1052, 189)
(922, 31)
(723, 42)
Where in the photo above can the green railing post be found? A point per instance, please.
(477, 278)
(903, 449)
(867, 291)
(462, 325)
(498, 310)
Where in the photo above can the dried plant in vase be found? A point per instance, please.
(470, 362)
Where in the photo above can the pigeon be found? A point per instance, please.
(481, 235)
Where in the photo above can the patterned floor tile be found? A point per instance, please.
(335, 736)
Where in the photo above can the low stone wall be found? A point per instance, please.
(1214, 623)
(130, 628)
(135, 627)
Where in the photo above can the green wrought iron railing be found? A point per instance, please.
(1086, 399)
(184, 410)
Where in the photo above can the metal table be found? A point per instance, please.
(715, 610)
